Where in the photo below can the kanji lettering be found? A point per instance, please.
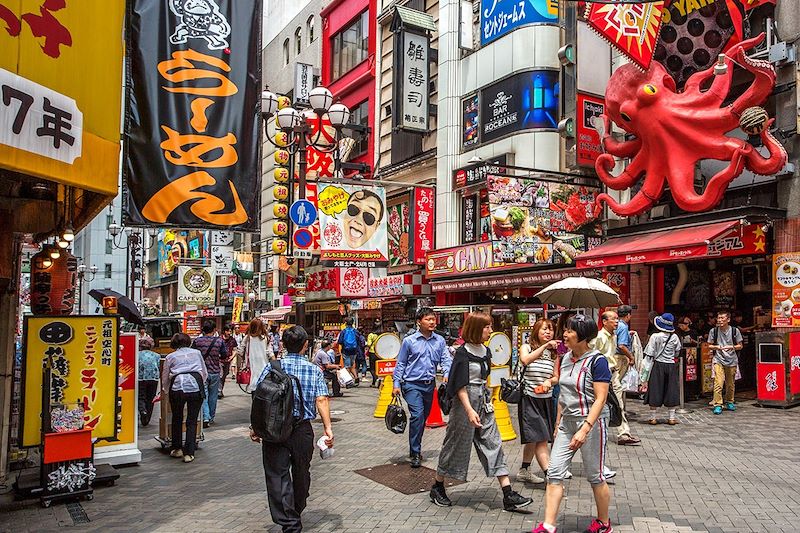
(416, 76)
(55, 124)
(415, 97)
(46, 25)
(416, 51)
(25, 103)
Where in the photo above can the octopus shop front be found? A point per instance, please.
(468, 278)
(693, 270)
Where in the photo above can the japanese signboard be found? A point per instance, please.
(56, 124)
(499, 17)
(196, 285)
(539, 222)
(414, 99)
(192, 123)
(126, 443)
(474, 175)
(632, 28)
(83, 353)
(469, 218)
(424, 222)
(222, 260)
(786, 289)
(320, 283)
(386, 285)
(461, 260)
(353, 224)
(353, 282)
(236, 313)
(175, 246)
(620, 282)
(588, 147)
(399, 225)
(303, 82)
(526, 100)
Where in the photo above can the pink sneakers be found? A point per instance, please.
(598, 527)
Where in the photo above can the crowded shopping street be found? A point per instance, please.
(708, 474)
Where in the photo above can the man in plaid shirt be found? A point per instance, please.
(287, 465)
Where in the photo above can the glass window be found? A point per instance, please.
(109, 246)
(351, 45)
(298, 41)
(108, 271)
(310, 29)
(285, 52)
(360, 115)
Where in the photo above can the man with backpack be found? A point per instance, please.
(212, 348)
(351, 343)
(281, 418)
(724, 341)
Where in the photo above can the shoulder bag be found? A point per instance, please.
(243, 375)
(511, 389)
(614, 408)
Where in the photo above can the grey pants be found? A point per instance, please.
(593, 451)
(461, 436)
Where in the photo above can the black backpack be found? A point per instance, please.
(273, 402)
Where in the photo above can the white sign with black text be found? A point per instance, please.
(303, 80)
(416, 76)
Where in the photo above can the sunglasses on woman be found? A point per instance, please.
(368, 218)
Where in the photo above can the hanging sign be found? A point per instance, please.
(424, 221)
(303, 82)
(83, 352)
(588, 146)
(399, 227)
(193, 119)
(222, 260)
(415, 99)
(786, 290)
(196, 285)
(631, 28)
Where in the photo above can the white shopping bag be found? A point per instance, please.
(345, 377)
(630, 382)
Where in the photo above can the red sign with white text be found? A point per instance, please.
(587, 146)
(620, 282)
(422, 230)
(385, 368)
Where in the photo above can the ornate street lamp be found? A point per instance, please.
(81, 277)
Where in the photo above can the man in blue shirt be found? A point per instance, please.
(623, 361)
(415, 376)
(287, 465)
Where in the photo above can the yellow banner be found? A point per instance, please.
(74, 49)
(83, 351)
(238, 304)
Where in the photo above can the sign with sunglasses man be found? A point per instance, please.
(353, 226)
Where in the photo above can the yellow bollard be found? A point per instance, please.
(384, 397)
(502, 416)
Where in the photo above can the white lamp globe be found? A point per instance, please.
(339, 115)
(288, 118)
(320, 99)
(269, 103)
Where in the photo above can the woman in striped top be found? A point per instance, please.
(536, 414)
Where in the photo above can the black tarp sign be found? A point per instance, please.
(193, 87)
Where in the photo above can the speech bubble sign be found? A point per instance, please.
(332, 200)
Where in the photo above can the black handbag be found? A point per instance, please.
(445, 401)
(614, 408)
(511, 389)
(395, 418)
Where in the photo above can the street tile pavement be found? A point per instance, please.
(738, 472)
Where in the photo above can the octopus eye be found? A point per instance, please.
(625, 117)
(650, 89)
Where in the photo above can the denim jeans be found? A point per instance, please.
(419, 397)
(210, 401)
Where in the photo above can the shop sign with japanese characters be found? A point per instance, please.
(499, 17)
(193, 123)
(303, 82)
(469, 218)
(424, 221)
(415, 97)
(197, 285)
(386, 285)
(58, 118)
(83, 355)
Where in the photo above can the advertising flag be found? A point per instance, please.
(353, 224)
(192, 119)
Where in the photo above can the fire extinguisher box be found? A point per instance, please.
(778, 368)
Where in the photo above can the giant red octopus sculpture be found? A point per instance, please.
(674, 130)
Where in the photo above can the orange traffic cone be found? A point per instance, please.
(435, 419)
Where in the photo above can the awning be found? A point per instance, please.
(279, 313)
(721, 239)
(323, 305)
(540, 278)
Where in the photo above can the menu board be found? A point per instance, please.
(724, 288)
(786, 290)
(540, 222)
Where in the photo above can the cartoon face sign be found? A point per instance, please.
(362, 218)
(200, 19)
(56, 333)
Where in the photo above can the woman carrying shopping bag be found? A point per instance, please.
(472, 421)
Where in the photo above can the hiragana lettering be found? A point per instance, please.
(54, 123)
(200, 147)
(181, 69)
(25, 103)
(204, 205)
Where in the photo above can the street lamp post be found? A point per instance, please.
(81, 276)
(134, 245)
(298, 127)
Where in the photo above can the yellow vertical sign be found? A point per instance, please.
(82, 352)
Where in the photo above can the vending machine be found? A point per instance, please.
(778, 368)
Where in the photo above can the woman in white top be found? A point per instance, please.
(183, 378)
(257, 351)
(537, 416)
(663, 387)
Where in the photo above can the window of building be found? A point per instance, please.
(109, 246)
(360, 115)
(310, 29)
(351, 46)
(298, 41)
(285, 52)
(108, 271)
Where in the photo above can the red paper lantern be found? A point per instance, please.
(53, 287)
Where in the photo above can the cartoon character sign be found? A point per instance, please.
(200, 19)
(674, 130)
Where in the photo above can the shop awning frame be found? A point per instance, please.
(279, 313)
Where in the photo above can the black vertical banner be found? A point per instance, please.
(192, 127)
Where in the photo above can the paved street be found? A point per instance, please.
(731, 473)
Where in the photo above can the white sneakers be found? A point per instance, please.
(176, 453)
(526, 476)
(188, 458)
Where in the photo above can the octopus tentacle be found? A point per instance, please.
(648, 195)
(618, 148)
(683, 185)
(626, 179)
(715, 94)
(764, 74)
(765, 166)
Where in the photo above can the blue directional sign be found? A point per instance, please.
(303, 213)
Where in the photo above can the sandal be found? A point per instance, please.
(672, 422)
(652, 422)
